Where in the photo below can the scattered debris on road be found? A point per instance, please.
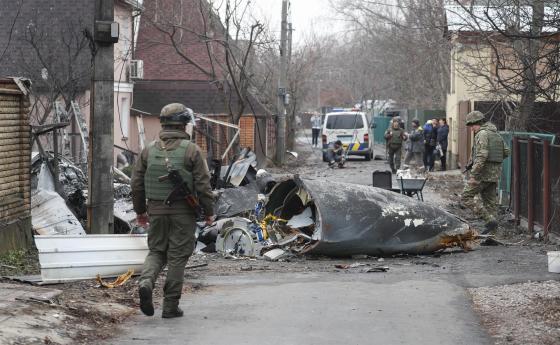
(122, 279)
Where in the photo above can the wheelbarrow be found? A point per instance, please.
(412, 186)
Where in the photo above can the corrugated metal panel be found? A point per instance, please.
(71, 257)
(51, 216)
(15, 151)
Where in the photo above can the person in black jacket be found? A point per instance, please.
(442, 135)
(430, 142)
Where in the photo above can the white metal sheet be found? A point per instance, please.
(51, 216)
(69, 257)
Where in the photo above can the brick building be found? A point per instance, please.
(191, 74)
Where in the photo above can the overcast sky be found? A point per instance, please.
(307, 15)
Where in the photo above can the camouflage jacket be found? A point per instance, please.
(194, 162)
(482, 170)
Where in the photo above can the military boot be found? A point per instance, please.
(490, 226)
(172, 293)
(171, 313)
(146, 304)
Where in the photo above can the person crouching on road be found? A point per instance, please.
(171, 234)
(488, 153)
(335, 154)
(395, 137)
(415, 145)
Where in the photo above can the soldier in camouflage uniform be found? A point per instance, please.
(488, 153)
(171, 232)
(395, 136)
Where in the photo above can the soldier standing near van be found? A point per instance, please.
(395, 136)
(172, 221)
(488, 153)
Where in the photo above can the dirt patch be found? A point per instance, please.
(527, 313)
(83, 314)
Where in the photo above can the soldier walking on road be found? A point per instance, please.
(171, 234)
(395, 137)
(488, 153)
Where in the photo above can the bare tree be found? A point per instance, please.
(230, 38)
(58, 62)
(300, 72)
(513, 48)
(400, 47)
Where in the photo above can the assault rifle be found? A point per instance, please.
(180, 190)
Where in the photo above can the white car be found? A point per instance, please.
(352, 128)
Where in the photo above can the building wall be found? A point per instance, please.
(15, 153)
(161, 61)
(464, 87)
(124, 87)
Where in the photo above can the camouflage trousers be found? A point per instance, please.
(170, 241)
(487, 193)
(395, 153)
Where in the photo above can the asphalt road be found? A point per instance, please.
(417, 303)
(316, 308)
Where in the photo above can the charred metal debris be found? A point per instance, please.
(291, 215)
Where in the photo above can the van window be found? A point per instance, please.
(344, 122)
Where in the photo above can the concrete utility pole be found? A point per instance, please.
(281, 128)
(100, 155)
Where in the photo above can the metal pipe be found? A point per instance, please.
(546, 187)
(516, 179)
(530, 186)
(227, 124)
(230, 144)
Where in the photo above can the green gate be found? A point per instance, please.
(381, 123)
(504, 185)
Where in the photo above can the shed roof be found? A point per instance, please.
(201, 96)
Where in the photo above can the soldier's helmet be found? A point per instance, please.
(475, 118)
(175, 114)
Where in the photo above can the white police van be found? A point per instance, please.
(352, 128)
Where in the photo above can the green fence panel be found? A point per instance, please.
(504, 185)
(381, 123)
(423, 115)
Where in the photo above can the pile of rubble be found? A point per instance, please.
(63, 211)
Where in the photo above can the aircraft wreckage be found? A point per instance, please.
(339, 219)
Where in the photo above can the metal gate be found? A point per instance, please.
(382, 123)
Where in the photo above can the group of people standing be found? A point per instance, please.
(423, 144)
